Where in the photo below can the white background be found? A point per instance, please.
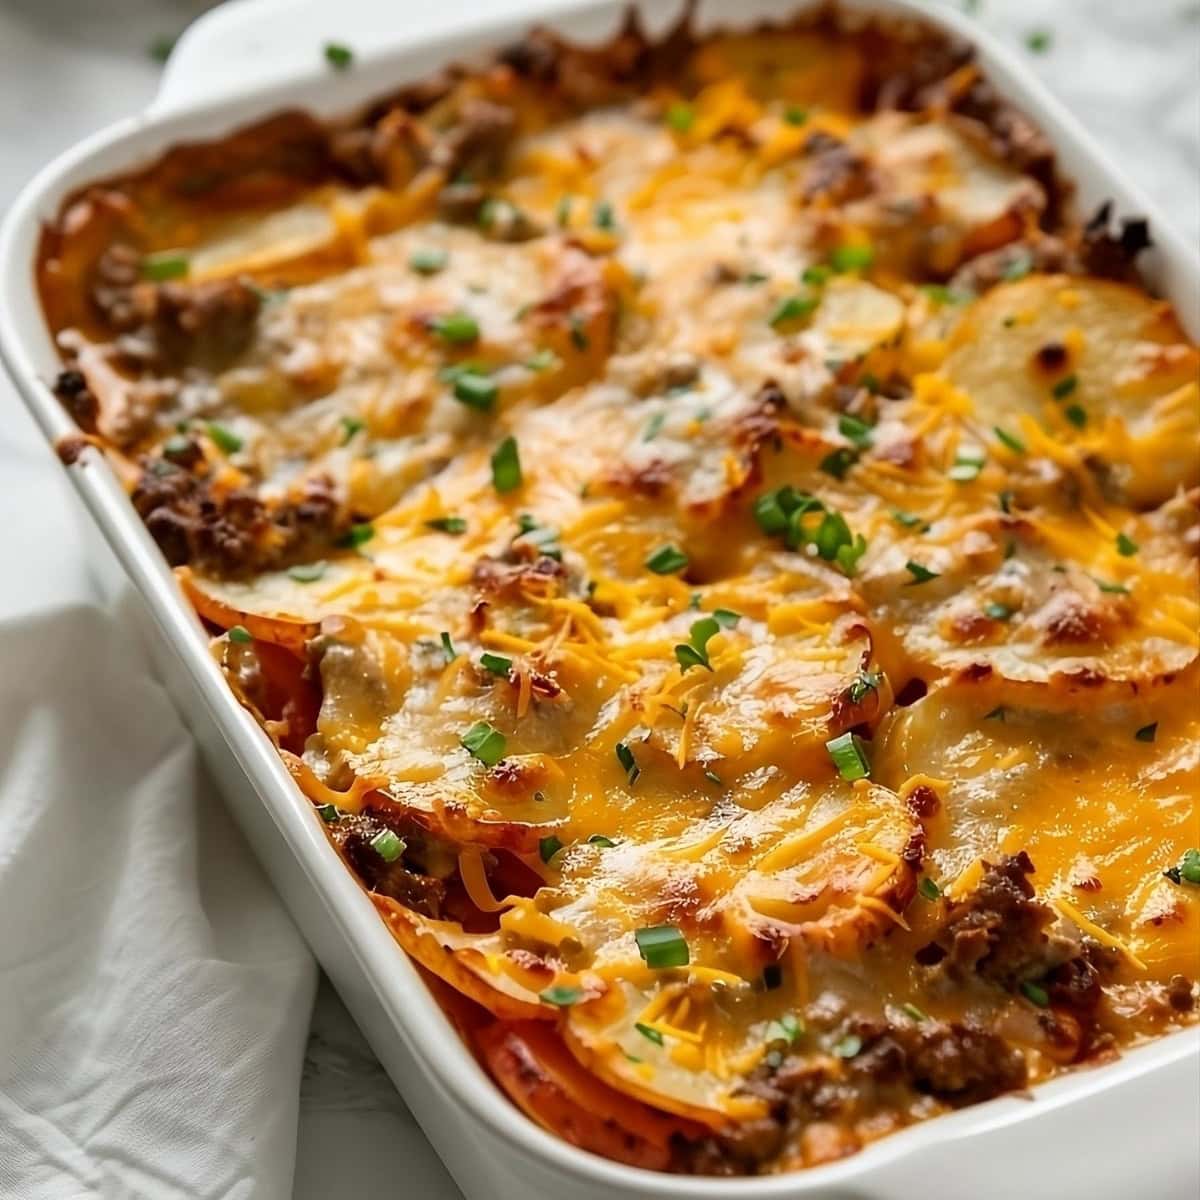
(1130, 69)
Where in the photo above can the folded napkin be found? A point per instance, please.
(154, 995)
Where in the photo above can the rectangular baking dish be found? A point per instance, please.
(1100, 1133)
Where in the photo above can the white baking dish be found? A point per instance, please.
(1099, 1133)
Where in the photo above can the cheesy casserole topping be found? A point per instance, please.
(716, 540)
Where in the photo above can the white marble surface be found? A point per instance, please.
(1131, 72)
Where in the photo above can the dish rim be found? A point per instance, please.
(27, 351)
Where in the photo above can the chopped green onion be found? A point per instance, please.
(339, 57)
(849, 754)
(357, 535)
(694, 652)
(1005, 499)
(789, 1028)
(863, 683)
(428, 260)
(1035, 994)
(654, 426)
(497, 664)
(548, 847)
(1076, 415)
(1039, 40)
(997, 611)
(649, 1033)
(666, 560)
(448, 647)
(1064, 387)
(795, 115)
(307, 572)
(848, 1046)
(562, 996)
(851, 258)
(598, 839)
(239, 633)
(726, 617)
(458, 328)
(929, 889)
(451, 525)
(907, 519)
(1007, 439)
(506, 466)
(942, 295)
(1126, 546)
(966, 468)
(543, 360)
(387, 845)
(680, 117)
(839, 461)
(1147, 733)
(1188, 869)
(603, 215)
(1115, 589)
(628, 763)
(919, 573)
(475, 390)
(1020, 266)
(791, 308)
(167, 264)
(579, 337)
(913, 1011)
(484, 742)
(859, 432)
(351, 426)
(328, 813)
(815, 276)
(662, 946)
(224, 439)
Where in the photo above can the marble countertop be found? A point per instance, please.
(1131, 72)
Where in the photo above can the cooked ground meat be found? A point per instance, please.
(954, 1063)
(352, 833)
(208, 324)
(998, 932)
(235, 533)
(836, 173)
(1112, 252)
(72, 391)
(1042, 254)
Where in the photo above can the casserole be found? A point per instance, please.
(645, 1185)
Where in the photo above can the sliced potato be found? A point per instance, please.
(532, 1065)
(1103, 801)
(1038, 601)
(1103, 371)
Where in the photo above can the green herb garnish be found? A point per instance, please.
(666, 560)
(451, 525)
(1147, 733)
(548, 847)
(428, 260)
(562, 996)
(339, 57)
(849, 754)
(662, 946)
(919, 573)
(628, 763)
(167, 264)
(497, 664)
(239, 634)
(694, 652)
(457, 328)
(484, 742)
(1126, 546)
(307, 572)
(506, 466)
(387, 845)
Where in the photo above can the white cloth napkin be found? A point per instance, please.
(154, 996)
